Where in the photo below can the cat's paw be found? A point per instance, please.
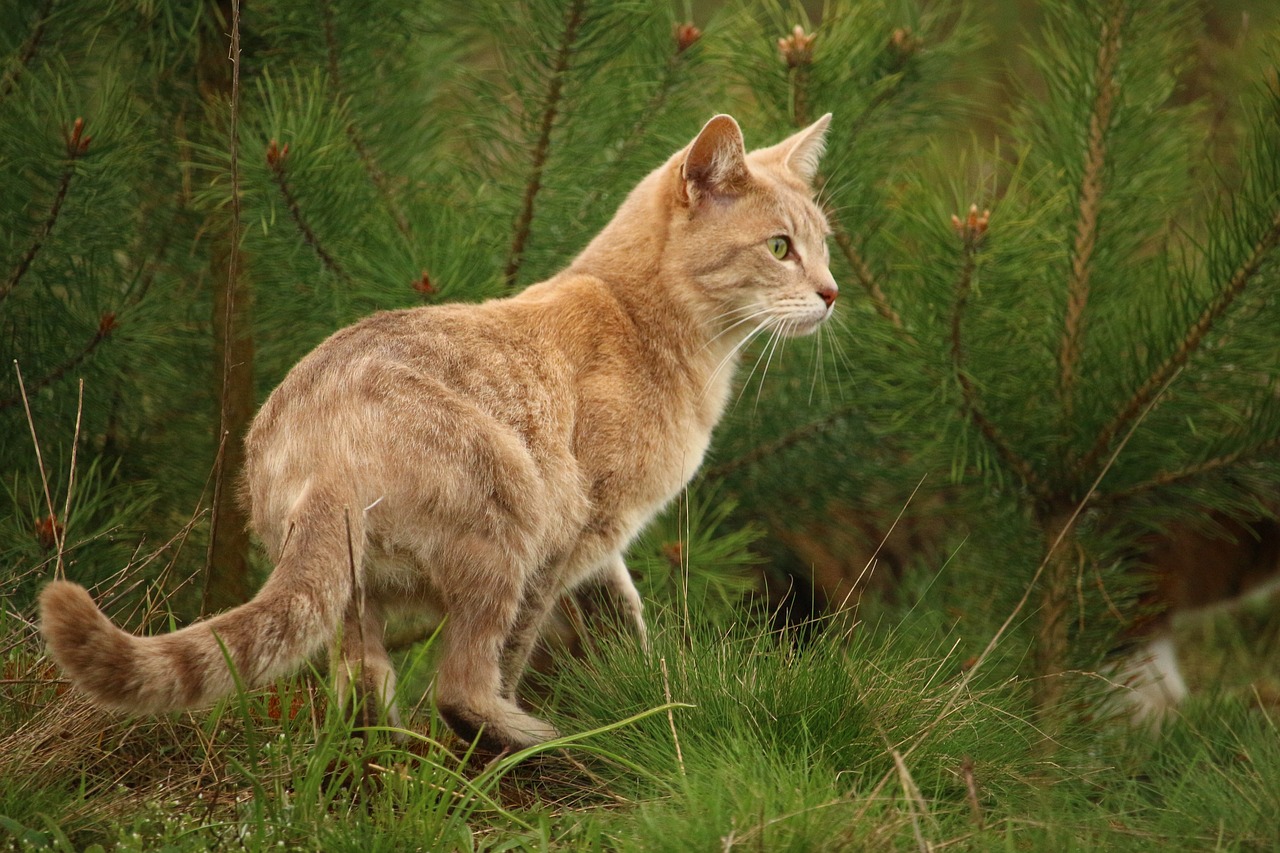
(504, 728)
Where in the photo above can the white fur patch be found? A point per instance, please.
(1151, 684)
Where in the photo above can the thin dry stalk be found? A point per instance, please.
(59, 533)
(233, 344)
(916, 805)
(962, 687)
(357, 592)
(671, 718)
(71, 476)
(971, 792)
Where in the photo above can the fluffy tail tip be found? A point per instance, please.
(65, 610)
(82, 640)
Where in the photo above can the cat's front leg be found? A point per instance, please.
(617, 581)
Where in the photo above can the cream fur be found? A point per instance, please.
(477, 461)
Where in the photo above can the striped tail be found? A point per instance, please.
(294, 615)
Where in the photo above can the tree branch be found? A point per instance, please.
(1090, 201)
(865, 277)
(972, 231)
(779, 444)
(1190, 343)
(376, 175)
(77, 146)
(685, 37)
(796, 51)
(27, 53)
(106, 325)
(276, 157)
(550, 109)
(1168, 478)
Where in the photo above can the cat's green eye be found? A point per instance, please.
(779, 247)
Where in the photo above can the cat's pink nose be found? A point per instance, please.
(828, 293)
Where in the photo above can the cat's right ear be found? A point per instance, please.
(716, 162)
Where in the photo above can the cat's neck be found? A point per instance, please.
(630, 256)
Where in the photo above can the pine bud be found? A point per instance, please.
(424, 286)
(276, 154)
(903, 44)
(48, 531)
(973, 228)
(77, 142)
(686, 36)
(797, 48)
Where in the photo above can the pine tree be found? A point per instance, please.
(1081, 354)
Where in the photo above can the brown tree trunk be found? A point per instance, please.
(1052, 636)
(227, 579)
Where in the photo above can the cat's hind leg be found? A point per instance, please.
(481, 609)
(535, 606)
(365, 673)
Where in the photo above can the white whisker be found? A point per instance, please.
(737, 348)
(777, 341)
(839, 326)
(749, 312)
(817, 363)
(771, 324)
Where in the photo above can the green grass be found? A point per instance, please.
(723, 738)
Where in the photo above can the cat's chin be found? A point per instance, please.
(799, 327)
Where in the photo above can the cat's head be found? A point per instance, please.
(748, 230)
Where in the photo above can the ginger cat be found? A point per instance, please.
(477, 461)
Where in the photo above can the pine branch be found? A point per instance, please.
(1168, 478)
(972, 231)
(574, 17)
(778, 445)
(1190, 343)
(77, 146)
(27, 53)
(376, 175)
(276, 157)
(1090, 201)
(797, 52)
(685, 36)
(106, 325)
(865, 277)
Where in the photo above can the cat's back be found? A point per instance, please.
(418, 374)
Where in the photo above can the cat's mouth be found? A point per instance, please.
(801, 323)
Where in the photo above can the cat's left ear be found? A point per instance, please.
(715, 163)
(801, 152)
